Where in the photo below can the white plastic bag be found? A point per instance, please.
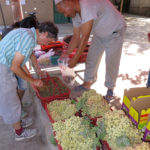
(68, 74)
(47, 55)
(45, 58)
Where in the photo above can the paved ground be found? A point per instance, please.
(134, 68)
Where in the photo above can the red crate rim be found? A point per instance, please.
(60, 147)
(49, 115)
(50, 98)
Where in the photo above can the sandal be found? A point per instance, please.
(110, 95)
(78, 91)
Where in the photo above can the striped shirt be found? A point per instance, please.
(20, 40)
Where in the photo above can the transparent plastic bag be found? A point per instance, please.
(68, 74)
(44, 59)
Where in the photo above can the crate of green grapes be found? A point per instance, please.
(53, 89)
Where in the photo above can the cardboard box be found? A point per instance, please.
(147, 131)
(136, 104)
(139, 111)
(133, 93)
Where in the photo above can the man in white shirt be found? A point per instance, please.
(108, 27)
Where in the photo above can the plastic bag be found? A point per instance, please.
(39, 53)
(45, 58)
(68, 74)
(48, 54)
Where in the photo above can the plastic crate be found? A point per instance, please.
(82, 57)
(49, 115)
(60, 147)
(57, 44)
(55, 90)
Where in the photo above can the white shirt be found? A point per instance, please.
(106, 17)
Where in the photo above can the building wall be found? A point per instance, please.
(44, 10)
(141, 7)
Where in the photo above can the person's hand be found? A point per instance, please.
(72, 63)
(37, 82)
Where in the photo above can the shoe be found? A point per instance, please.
(26, 104)
(78, 91)
(23, 114)
(26, 134)
(109, 95)
(26, 122)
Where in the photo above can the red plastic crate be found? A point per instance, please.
(60, 147)
(54, 81)
(104, 143)
(49, 115)
(82, 57)
(62, 46)
(57, 44)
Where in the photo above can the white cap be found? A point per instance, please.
(57, 1)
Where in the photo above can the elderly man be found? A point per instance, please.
(15, 49)
(108, 27)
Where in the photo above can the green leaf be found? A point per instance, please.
(123, 141)
(96, 142)
(95, 129)
(79, 105)
(52, 140)
(101, 132)
(73, 101)
(86, 121)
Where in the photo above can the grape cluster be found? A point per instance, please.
(92, 104)
(120, 131)
(72, 135)
(143, 146)
(61, 109)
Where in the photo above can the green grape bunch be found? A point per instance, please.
(74, 135)
(92, 104)
(120, 131)
(142, 146)
(61, 109)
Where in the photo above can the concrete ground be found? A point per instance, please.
(133, 72)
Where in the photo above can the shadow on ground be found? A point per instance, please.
(138, 79)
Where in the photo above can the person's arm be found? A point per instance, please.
(34, 62)
(85, 33)
(75, 40)
(26, 69)
(18, 70)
